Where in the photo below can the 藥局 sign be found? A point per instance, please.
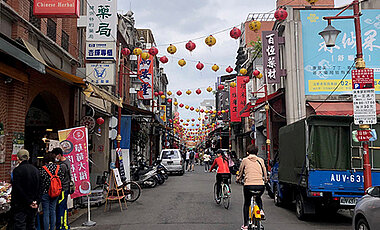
(101, 74)
(100, 50)
(101, 20)
(74, 143)
(324, 67)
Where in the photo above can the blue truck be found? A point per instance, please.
(319, 167)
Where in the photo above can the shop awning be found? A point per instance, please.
(135, 110)
(12, 50)
(70, 78)
(94, 91)
(336, 108)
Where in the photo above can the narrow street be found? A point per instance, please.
(186, 202)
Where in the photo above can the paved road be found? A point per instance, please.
(186, 202)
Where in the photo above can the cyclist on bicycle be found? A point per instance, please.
(223, 173)
(255, 174)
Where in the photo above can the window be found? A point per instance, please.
(51, 29)
(33, 19)
(170, 155)
(65, 41)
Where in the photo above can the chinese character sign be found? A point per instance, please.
(234, 105)
(241, 96)
(56, 8)
(324, 67)
(145, 75)
(74, 143)
(101, 20)
(271, 57)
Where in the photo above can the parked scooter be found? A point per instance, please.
(144, 176)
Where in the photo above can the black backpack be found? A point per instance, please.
(191, 155)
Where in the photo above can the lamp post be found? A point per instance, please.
(330, 34)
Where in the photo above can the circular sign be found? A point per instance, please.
(113, 122)
(67, 147)
(89, 122)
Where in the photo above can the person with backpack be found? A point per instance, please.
(62, 220)
(191, 157)
(51, 187)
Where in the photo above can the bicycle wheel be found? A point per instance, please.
(258, 225)
(216, 195)
(226, 196)
(132, 191)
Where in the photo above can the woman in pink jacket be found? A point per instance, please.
(255, 174)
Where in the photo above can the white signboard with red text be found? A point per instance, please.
(363, 93)
(74, 143)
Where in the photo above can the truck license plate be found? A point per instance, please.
(348, 200)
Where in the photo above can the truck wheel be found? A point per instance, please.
(300, 207)
(277, 198)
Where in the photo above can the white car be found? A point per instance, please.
(172, 160)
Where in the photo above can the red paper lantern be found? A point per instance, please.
(190, 46)
(210, 112)
(170, 120)
(181, 120)
(193, 120)
(202, 110)
(179, 93)
(160, 93)
(156, 94)
(164, 59)
(169, 100)
(206, 117)
(100, 121)
(281, 14)
(235, 33)
(125, 52)
(191, 108)
(219, 113)
(229, 69)
(227, 110)
(153, 51)
(221, 87)
(181, 105)
(198, 91)
(199, 66)
(256, 73)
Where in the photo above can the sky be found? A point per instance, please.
(175, 21)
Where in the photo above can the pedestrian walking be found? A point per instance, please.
(187, 159)
(62, 222)
(49, 202)
(206, 161)
(197, 158)
(25, 193)
(191, 160)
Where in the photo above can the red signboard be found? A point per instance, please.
(234, 105)
(74, 143)
(363, 79)
(242, 95)
(364, 135)
(56, 8)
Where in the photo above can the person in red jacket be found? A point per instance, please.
(223, 172)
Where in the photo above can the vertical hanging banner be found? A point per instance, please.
(56, 8)
(101, 20)
(145, 75)
(271, 57)
(74, 143)
(234, 105)
(242, 96)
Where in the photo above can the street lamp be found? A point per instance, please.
(329, 34)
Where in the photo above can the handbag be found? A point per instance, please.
(71, 187)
